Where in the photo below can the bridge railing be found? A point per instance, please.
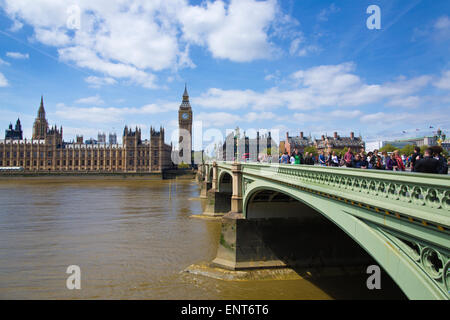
(423, 196)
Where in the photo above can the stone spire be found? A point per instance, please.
(41, 111)
(185, 94)
(185, 104)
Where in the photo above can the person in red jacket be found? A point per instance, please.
(398, 162)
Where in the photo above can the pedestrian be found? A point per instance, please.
(364, 162)
(427, 164)
(415, 156)
(284, 158)
(356, 162)
(374, 159)
(437, 153)
(398, 162)
(334, 160)
(389, 163)
(298, 157)
(348, 157)
(292, 159)
(322, 159)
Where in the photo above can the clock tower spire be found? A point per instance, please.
(185, 126)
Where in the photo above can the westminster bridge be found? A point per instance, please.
(400, 220)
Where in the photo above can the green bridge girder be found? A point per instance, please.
(401, 219)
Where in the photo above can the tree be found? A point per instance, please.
(407, 150)
(423, 148)
(311, 149)
(388, 148)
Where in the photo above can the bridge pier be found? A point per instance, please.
(285, 242)
(206, 183)
(217, 203)
(236, 198)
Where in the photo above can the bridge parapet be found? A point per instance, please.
(422, 196)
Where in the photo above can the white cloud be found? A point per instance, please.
(217, 119)
(95, 100)
(237, 33)
(3, 81)
(443, 23)
(444, 81)
(109, 114)
(18, 55)
(131, 40)
(97, 82)
(318, 87)
(325, 13)
(301, 51)
(3, 62)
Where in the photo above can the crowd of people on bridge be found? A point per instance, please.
(432, 161)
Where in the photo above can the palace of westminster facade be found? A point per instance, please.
(47, 151)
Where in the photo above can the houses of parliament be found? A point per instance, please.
(48, 152)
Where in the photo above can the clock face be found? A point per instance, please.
(185, 116)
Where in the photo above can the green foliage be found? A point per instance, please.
(388, 148)
(423, 148)
(183, 165)
(340, 152)
(407, 150)
(311, 149)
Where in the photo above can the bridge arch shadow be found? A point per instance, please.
(304, 234)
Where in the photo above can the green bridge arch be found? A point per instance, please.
(389, 248)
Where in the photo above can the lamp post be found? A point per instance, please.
(236, 159)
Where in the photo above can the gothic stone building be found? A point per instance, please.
(325, 143)
(47, 151)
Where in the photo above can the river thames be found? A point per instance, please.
(132, 239)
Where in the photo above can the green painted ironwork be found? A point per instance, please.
(401, 219)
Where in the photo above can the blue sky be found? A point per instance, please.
(303, 65)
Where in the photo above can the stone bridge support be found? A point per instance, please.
(225, 196)
(207, 183)
(218, 202)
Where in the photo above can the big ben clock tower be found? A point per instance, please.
(185, 126)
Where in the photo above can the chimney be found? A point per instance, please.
(287, 136)
(301, 134)
(352, 135)
(335, 135)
